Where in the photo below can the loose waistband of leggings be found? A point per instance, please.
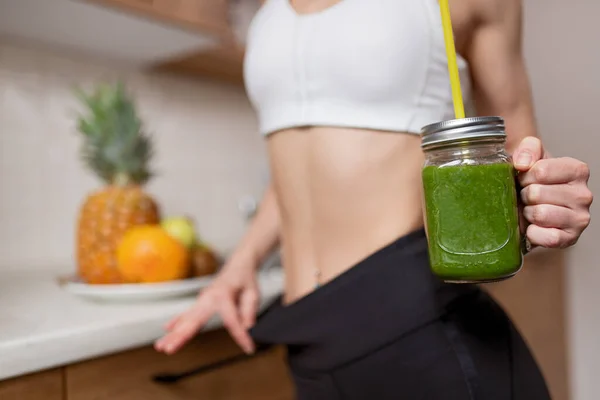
(384, 296)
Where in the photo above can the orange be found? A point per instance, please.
(147, 253)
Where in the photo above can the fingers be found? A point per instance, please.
(233, 323)
(248, 305)
(555, 171)
(557, 201)
(529, 151)
(550, 216)
(169, 325)
(555, 195)
(184, 328)
(564, 195)
(555, 226)
(221, 299)
(550, 237)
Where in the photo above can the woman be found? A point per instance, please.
(342, 89)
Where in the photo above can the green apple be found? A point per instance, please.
(181, 228)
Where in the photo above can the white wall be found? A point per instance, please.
(208, 153)
(563, 54)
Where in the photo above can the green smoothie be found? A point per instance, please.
(472, 221)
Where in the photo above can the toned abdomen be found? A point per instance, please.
(343, 194)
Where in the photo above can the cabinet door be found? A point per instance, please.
(535, 300)
(47, 385)
(128, 375)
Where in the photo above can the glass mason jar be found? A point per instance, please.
(470, 201)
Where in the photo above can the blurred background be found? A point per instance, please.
(181, 62)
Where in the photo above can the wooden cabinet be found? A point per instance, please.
(205, 16)
(224, 63)
(47, 385)
(128, 376)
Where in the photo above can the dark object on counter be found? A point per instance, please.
(176, 377)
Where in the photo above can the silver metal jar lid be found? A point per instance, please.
(462, 130)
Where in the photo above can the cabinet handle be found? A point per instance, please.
(169, 378)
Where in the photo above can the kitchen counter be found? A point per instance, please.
(42, 326)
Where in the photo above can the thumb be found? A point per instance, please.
(529, 151)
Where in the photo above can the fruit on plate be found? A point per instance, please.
(204, 260)
(149, 254)
(118, 151)
(182, 229)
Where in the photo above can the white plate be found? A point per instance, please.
(135, 291)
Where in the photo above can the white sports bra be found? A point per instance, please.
(371, 64)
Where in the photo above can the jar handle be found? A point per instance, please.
(525, 245)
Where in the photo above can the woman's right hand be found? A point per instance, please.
(233, 295)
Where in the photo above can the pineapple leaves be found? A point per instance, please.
(115, 147)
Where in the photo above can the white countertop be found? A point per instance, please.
(42, 326)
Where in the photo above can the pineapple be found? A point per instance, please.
(118, 151)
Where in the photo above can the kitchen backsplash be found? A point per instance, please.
(209, 153)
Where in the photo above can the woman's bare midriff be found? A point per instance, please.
(343, 194)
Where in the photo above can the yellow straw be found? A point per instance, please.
(459, 108)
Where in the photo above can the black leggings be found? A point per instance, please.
(388, 329)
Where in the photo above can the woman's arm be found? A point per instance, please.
(234, 293)
(555, 193)
(262, 236)
(500, 80)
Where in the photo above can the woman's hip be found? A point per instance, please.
(471, 353)
(388, 325)
(388, 294)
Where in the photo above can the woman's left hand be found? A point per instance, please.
(555, 195)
